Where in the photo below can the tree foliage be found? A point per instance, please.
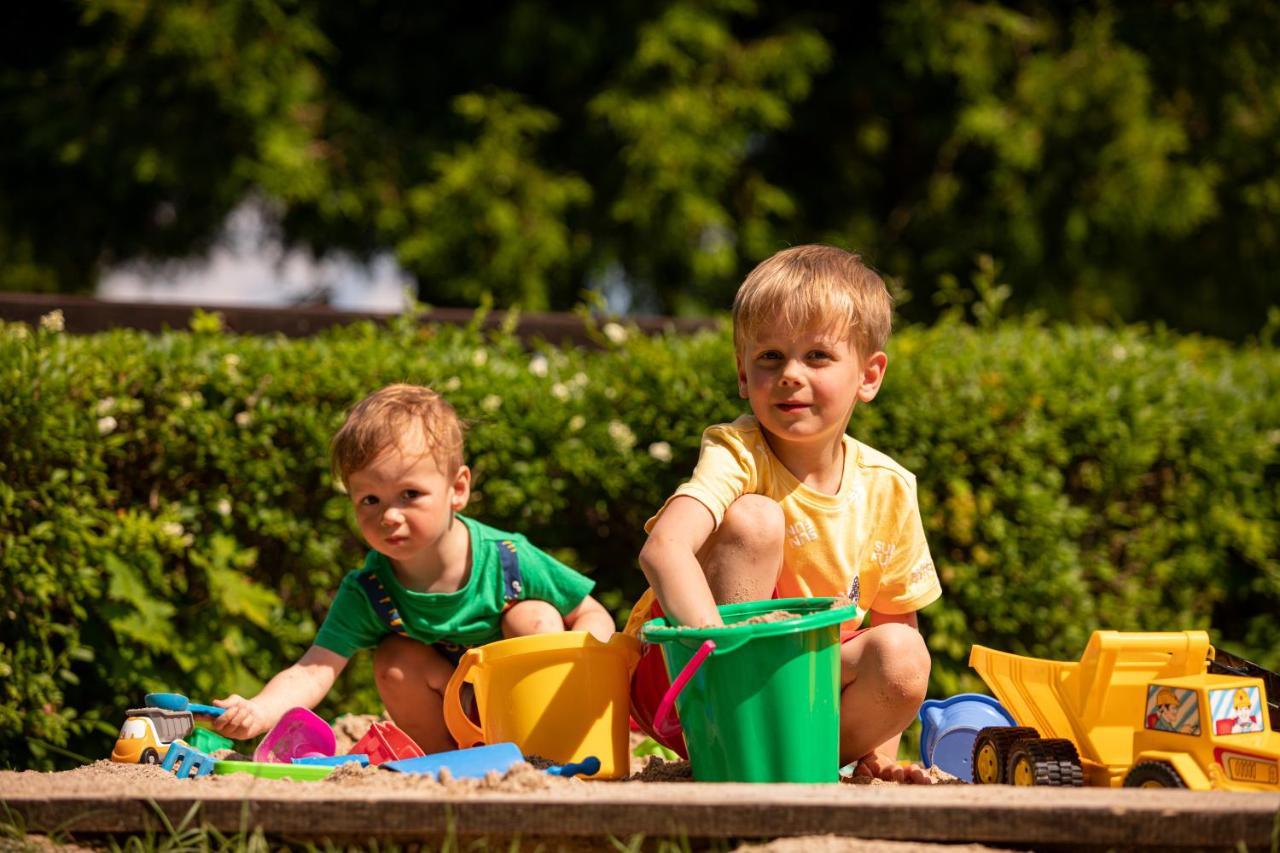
(1120, 161)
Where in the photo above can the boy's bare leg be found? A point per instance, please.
(411, 677)
(531, 616)
(884, 673)
(743, 558)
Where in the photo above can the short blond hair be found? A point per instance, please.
(814, 286)
(380, 421)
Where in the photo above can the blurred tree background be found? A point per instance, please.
(1119, 162)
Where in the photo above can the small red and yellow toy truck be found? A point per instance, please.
(1138, 710)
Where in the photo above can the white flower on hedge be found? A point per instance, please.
(172, 528)
(615, 333)
(491, 403)
(224, 507)
(622, 435)
(19, 331)
(661, 451)
(106, 405)
(480, 358)
(451, 384)
(579, 379)
(560, 391)
(538, 365)
(243, 419)
(107, 425)
(53, 321)
(576, 423)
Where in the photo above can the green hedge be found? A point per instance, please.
(167, 519)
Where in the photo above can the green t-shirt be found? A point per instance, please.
(470, 616)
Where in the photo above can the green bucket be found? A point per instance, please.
(764, 705)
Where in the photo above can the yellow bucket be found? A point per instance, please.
(560, 696)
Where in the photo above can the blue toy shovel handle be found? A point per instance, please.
(178, 702)
(588, 766)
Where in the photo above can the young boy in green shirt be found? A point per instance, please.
(434, 583)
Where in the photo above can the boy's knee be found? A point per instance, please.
(900, 659)
(531, 616)
(754, 520)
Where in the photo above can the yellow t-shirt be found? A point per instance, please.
(866, 541)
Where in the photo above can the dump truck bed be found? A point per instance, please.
(1096, 702)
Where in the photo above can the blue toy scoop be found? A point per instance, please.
(178, 702)
(475, 762)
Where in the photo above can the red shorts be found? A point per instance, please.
(649, 683)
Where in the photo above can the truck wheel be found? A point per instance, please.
(149, 756)
(1044, 761)
(1153, 774)
(991, 751)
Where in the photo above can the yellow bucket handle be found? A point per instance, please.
(455, 718)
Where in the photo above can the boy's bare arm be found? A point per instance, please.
(303, 684)
(590, 615)
(669, 559)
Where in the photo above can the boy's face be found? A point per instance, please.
(404, 503)
(803, 386)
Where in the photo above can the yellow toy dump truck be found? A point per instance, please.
(148, 733)
(1138, 710)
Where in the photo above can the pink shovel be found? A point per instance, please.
(299, 734)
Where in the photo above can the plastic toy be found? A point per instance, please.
(764, 706)
(385, 742)
(267, 770)
(471, 763)
(207, 741)
(1138, 710)
(178, 702)
(186, 762)
(948, 728)
(478, 761)
(299, 734)
(588, 766)
(561, 696)
(147, 734)
(334, 760)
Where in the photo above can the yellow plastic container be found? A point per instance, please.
(560, 696)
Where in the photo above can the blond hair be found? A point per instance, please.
(380, 421)
(807, 287)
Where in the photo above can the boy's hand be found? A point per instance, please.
(243, 718)
(876, 766)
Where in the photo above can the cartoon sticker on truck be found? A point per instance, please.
(1173, 710)
(1138, 709)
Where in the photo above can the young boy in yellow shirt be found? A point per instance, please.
(784, 503)
(434, 582)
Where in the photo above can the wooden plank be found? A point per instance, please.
(85, 315)
(994, 815)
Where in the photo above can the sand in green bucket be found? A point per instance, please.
(765, 705)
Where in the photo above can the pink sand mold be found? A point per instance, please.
(299, 734)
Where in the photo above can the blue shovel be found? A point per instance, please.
(477, 761)
(178, 702)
